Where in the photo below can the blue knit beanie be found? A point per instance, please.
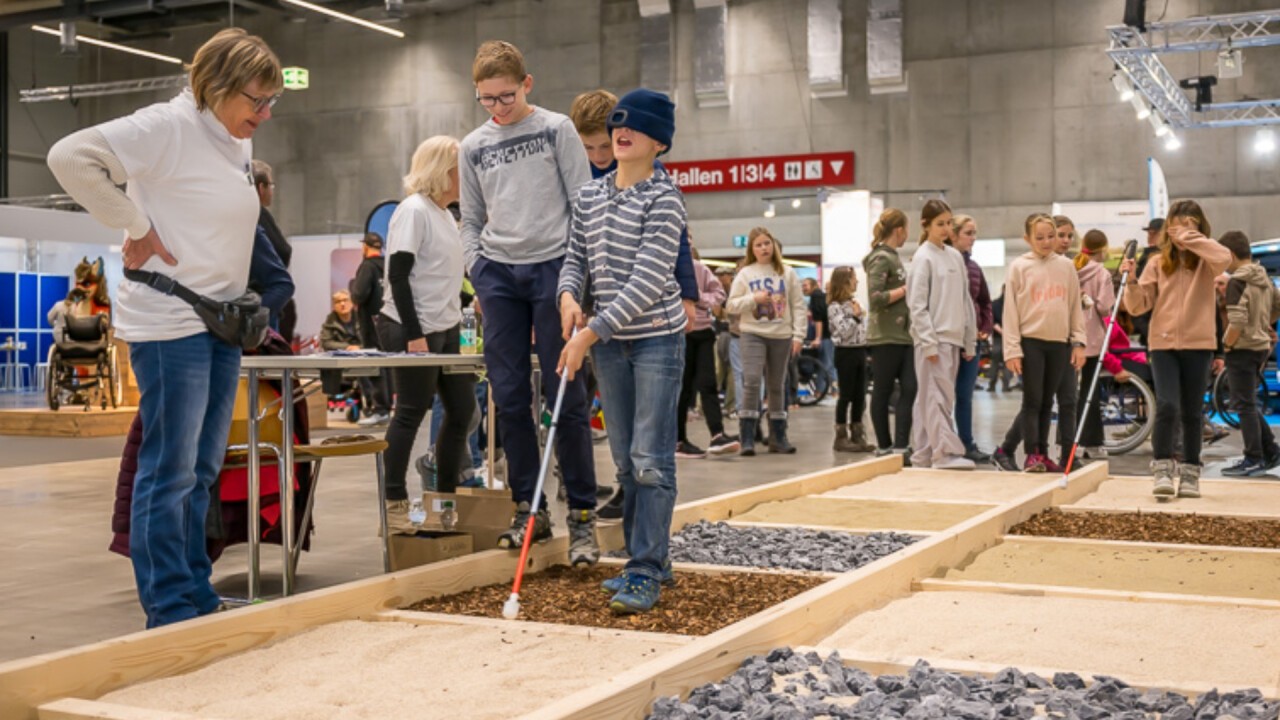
(646, 111)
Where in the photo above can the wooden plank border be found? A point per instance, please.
(1071, 591)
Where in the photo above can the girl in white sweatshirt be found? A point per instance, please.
(767, 296)
(944, 328)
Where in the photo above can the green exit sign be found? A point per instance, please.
(296, 78)
(740, 241)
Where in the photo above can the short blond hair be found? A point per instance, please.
(340, 296)
(429, 169)
(498, 58)
(591, 110)
(228, 62)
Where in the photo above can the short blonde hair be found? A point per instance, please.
(429, 169)
(228, 62)
(340, 296)
(591, 110)
(498, 58)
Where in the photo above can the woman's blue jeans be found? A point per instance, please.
(188, 390)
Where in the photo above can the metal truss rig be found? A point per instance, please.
(74, 92)
(1137, 54)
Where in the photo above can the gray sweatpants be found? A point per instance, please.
(762, 355)
(933, 434)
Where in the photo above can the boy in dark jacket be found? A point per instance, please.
(1253, 306)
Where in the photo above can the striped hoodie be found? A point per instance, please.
(625, 242)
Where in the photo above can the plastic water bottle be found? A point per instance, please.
(417, 513)
(468, 331)
(448, 518)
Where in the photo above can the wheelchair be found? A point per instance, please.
(82, 365)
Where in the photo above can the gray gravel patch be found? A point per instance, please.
(790, 548)
(784, 685)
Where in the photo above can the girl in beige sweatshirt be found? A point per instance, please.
(1177, 287)
(1043, 331)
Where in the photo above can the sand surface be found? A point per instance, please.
(1141, 643)
(864, 514)
(380, 670)
(1194, 572)
(981, 487)
(1222, 497)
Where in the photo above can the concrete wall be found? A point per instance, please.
(1009, 108)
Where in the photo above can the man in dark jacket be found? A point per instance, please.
(264, 182)
(366, 289)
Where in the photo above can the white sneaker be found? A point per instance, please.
(374, 419)
(1096, 453)
(957, 462)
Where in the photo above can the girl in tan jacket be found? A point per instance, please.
(1177, 287)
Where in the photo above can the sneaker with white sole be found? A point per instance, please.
(513, 537)
(374, 419)
(1188, 481)
(724, 444)
(686, 449)
(955, 462)
(1162, 479)
(1095, 453)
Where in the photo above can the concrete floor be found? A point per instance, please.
(61, 587)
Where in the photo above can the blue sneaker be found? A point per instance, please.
(614, 584)
(639, 594)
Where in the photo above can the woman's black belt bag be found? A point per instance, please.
(239, 323)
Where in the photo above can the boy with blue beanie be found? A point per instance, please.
(624, 241)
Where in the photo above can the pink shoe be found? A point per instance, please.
(1036, 463)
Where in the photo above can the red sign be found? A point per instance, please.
(761, 173)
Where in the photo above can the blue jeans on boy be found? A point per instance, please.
(640, 385)
(966, 381)
(473, 440)
(519, 301)
(188, 391)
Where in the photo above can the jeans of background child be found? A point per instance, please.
(1044, 363)
(724, 371)
(890, 364)
(473, 440)
(1181, 378)
(1089, 418)
(1244, 373)
(188, 391)
(769, 356)
(735, 365)
(851, 369)
(828, 353)
(417, 388)
(699, 377)
(640, 385)
(519, 301)
(933, 434)
(966, 383)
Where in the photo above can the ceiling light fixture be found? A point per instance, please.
(796, 203)
(770, 210)
(1172, 142)
(1264, 142)
(346, 18)
(1158, 125)
(1123, 87)
(1143, 112)
(109, 45)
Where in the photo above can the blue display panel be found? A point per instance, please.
(28, 300)
(27, 356)
(8, 301)
(53, 290)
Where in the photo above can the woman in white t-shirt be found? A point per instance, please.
(422, 312)
(190, 211)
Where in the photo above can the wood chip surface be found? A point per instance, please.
(1154, 527)
(699, 604)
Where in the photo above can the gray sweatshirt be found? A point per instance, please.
(938, 295)
(516, 181)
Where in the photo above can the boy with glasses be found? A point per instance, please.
(517, 173)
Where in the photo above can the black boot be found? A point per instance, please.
(778, 436)
(747, 435)
(612, 510)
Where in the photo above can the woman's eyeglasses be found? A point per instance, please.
(262, 103)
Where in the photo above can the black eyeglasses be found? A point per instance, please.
(262, 103)
(489, 101)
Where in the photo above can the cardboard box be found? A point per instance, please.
(427, 547)
(483, 514)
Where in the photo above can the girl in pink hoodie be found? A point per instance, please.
(1098, 298)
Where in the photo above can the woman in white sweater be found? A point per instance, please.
(189, 211)
(944, 329)
(767, 296)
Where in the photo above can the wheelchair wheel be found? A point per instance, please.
(1128, 413)
(812, 384)
(1219, 406)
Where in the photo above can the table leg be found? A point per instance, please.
(286, 478)
(255, 485)
(491, 440)
(382, 513)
